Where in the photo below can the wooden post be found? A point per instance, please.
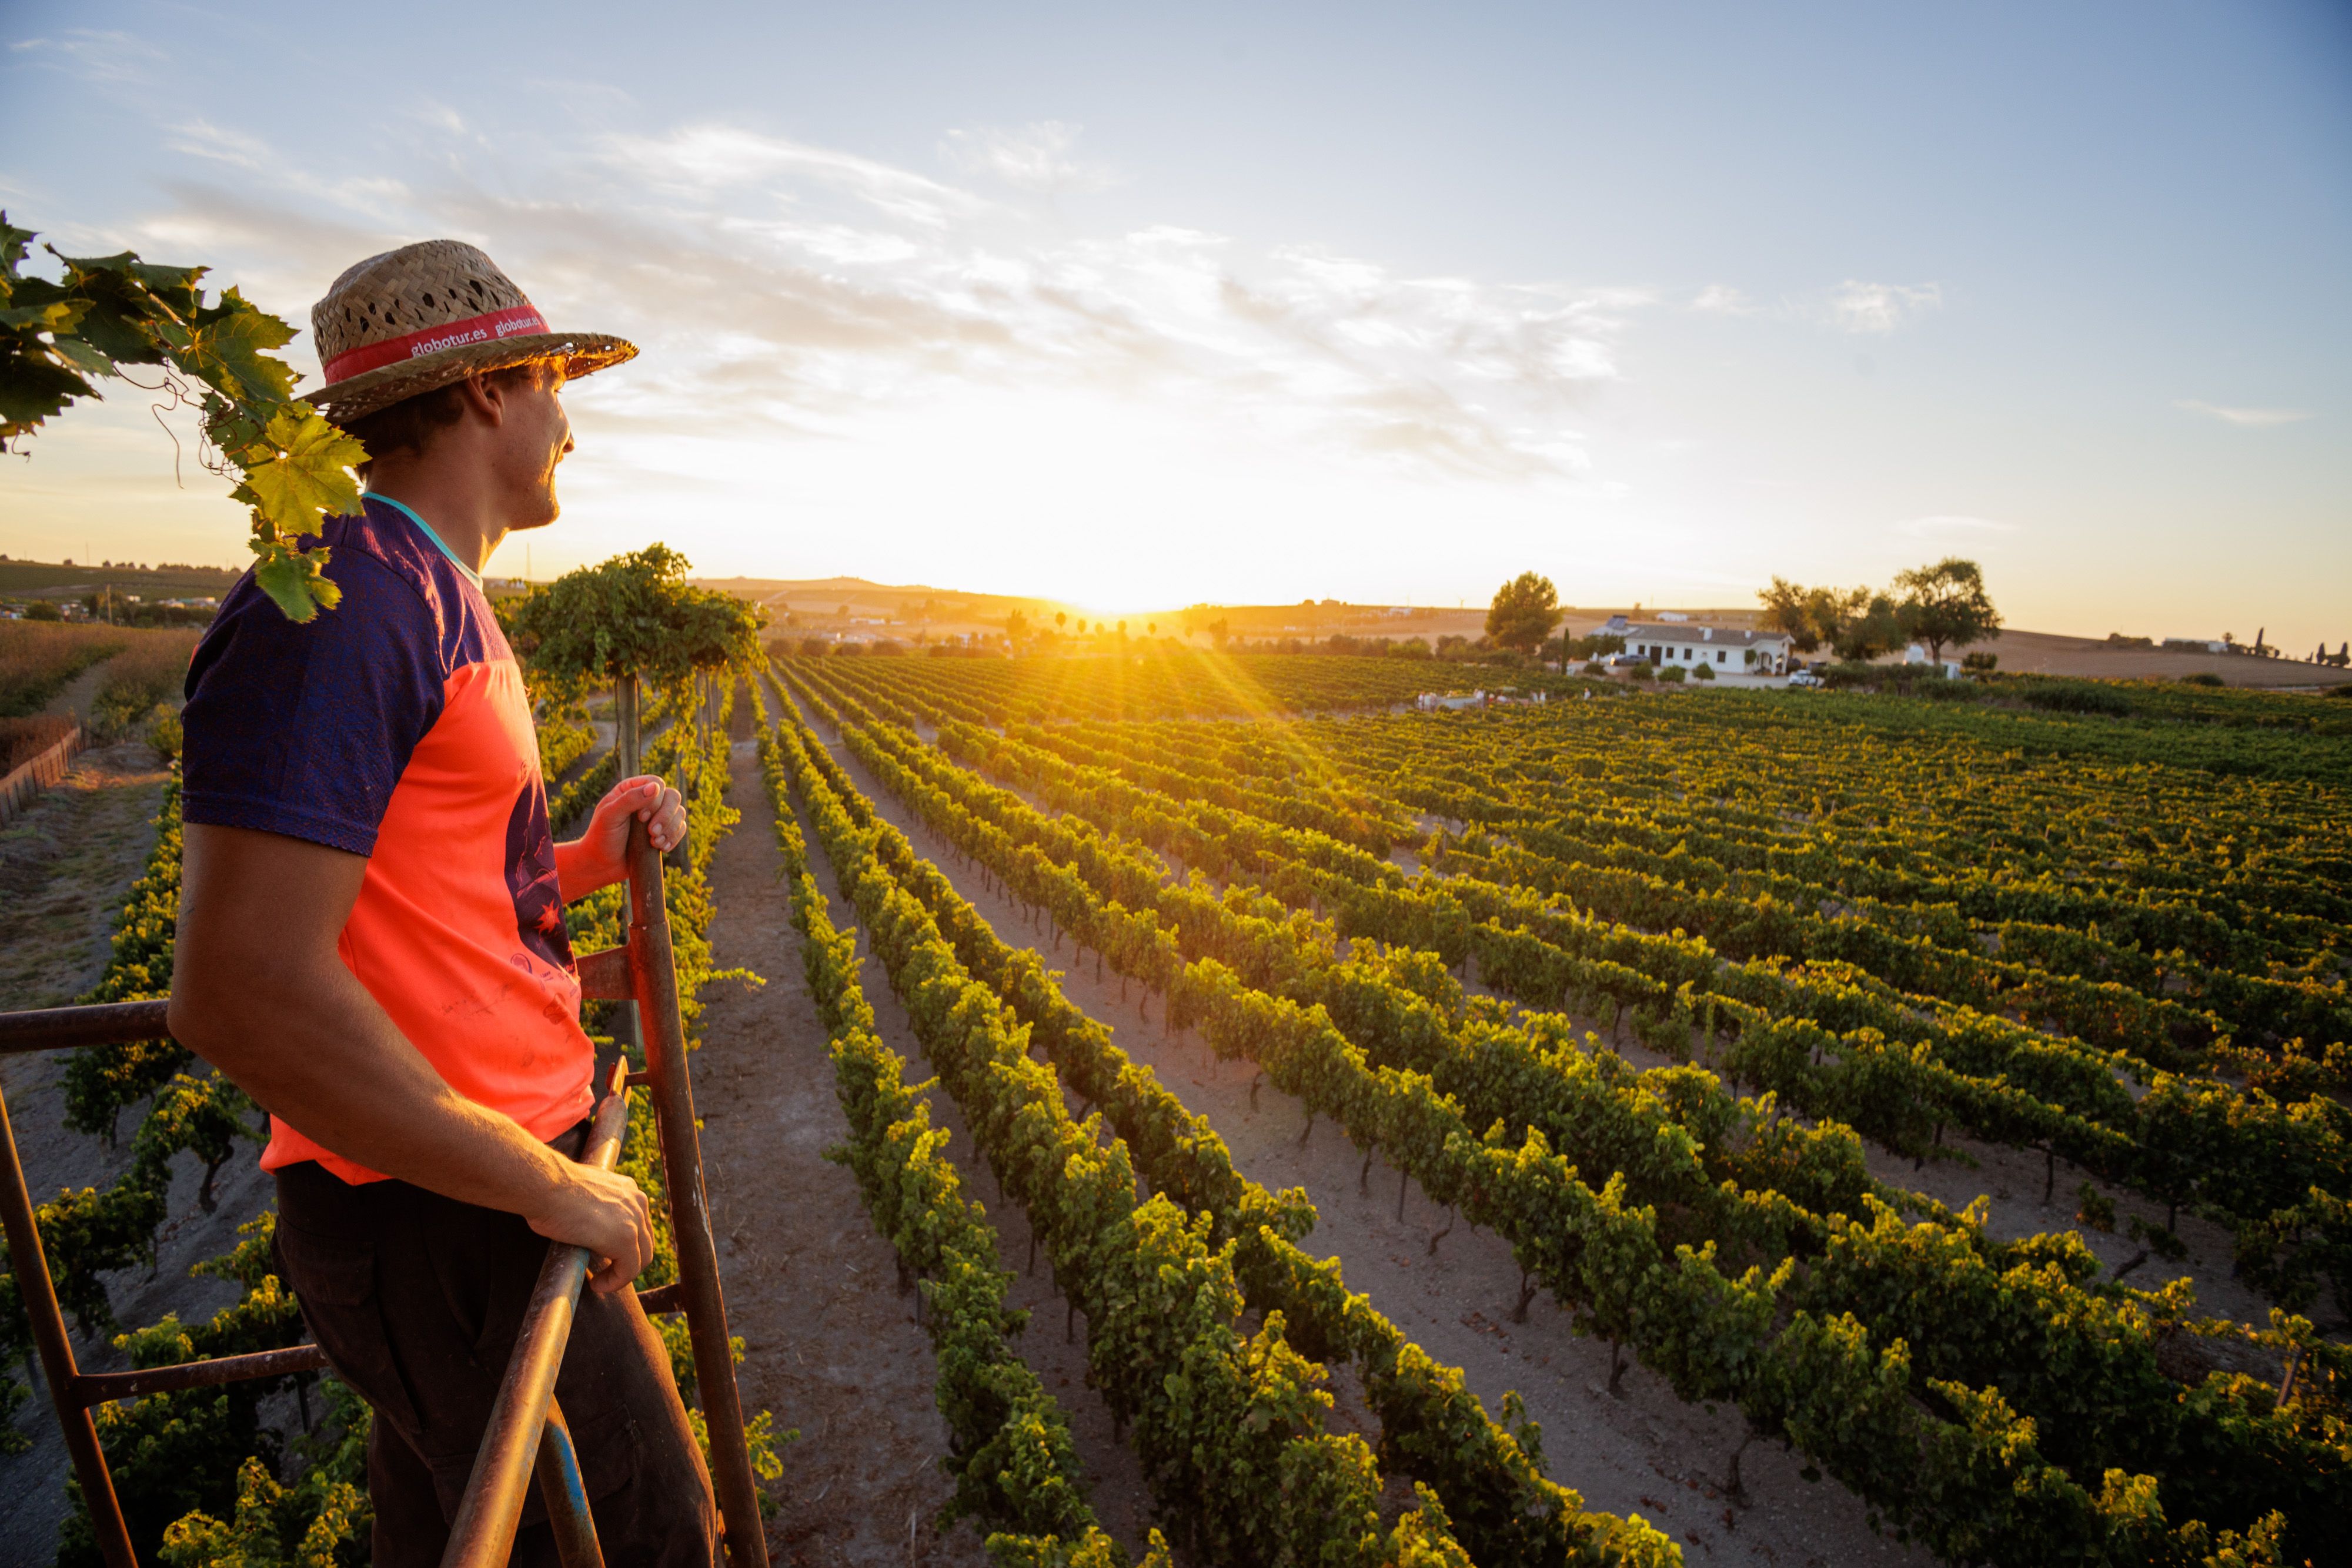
(626, 1034)
(625, 725)
(654, 977)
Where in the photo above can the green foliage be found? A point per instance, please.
(1947, 604)
(634, 615)
(1938, 605)
(1524, 611)
(1809, 616)
(321, 1521)
(1965, 1308)
(290, 467)
(1228, 1425)
(182, 1461)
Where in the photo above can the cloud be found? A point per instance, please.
(1951, 527)
(1858, 307)
(1722, 299)
(710, 158)
(1033, 157)
(788, 290)
(94, 57)
(2255, 418)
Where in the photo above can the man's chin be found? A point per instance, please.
(552, 512)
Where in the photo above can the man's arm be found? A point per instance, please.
(600, 856)
(258, 991)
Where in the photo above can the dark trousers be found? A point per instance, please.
(417, 1300)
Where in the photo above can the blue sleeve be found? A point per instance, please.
(304, 730)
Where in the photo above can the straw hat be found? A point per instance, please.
(416, 318)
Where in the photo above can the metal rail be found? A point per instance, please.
(527, 1433)
(517, 1436)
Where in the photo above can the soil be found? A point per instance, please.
(833, 1347)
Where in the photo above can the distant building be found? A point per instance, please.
(1672, 615)
(2195, 646)
(1730, 653)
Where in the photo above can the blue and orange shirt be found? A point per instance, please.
(395, 726)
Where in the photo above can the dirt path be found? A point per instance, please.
(78, 693)
(64, 863)
(833, 1346)
(1647, 1453)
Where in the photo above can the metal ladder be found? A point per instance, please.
(526, 1434)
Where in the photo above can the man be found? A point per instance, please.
(371, 938)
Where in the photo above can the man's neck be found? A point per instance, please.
(457, 510)
(464, 533)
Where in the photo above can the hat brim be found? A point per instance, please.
(355, 397)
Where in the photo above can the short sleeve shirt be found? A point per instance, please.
(396, 725)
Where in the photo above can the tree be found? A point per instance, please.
(1947, 602)
(1016, 627)
(1524, 611)
(1062, 618)
(1879, 629)
(1811, 616)
(631, 621)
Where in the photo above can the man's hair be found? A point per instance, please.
(410, 424)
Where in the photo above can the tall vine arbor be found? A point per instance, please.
(630, 623)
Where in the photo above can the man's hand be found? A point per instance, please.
(604, 1212)
(600, 857)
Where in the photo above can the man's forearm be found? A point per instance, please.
(579, 870)
(311, 1046)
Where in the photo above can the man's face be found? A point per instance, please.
(533, 438)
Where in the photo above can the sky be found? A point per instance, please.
(1145, 306)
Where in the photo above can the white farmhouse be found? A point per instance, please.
(1730, 653)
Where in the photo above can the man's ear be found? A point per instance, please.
(483, 398)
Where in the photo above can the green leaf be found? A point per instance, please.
(15, 244)
(296, 580)
(226, 348)
(307, 473)
(58, 317)
(82, 355)
(32, 388)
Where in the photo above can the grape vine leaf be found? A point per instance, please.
(227, 345)
(294, 579)
(299, 470)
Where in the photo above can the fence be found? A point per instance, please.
(527, 1435)
(28, 779)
